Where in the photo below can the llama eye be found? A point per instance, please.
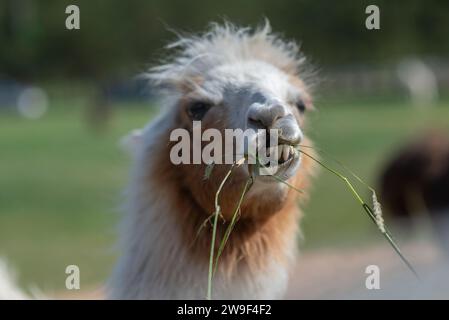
(301, 106)
(197, 110)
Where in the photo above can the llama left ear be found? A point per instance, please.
(132, 142)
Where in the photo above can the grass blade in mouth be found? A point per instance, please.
(214, 234)
(286, 183)
(233, 222)
(375, 215)
(256, 168)
(215, 215)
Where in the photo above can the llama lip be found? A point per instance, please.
(287, 168)
(285, 153)
(284, 169)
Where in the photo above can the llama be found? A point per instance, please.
(234, 78)
(415, 182)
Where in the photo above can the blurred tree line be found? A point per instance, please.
(122, 37)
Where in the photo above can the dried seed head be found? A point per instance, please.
(378, 213)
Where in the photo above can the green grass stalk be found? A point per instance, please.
(367, 209)
(215, 215)
(233, 222)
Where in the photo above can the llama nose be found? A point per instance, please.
(275, 117)
(289, 131)
(264, 116)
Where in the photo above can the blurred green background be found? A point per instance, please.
(62, 172)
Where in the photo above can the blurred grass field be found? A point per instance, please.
(60, 183)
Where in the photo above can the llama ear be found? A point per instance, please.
(132, 142)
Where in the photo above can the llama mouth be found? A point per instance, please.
(285, 154)
(286, 165)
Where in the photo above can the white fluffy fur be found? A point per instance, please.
(155, 262)
(226, 44)
(8, 287)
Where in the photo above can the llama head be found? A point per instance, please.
(235, 78)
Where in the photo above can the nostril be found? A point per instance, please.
(277, 112)
(265, 116)
(293, 139)
(290, 132)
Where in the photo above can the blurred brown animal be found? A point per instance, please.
(416, 180)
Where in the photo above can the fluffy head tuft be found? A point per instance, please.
(222, 44)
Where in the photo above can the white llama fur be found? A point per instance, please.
(227, 44)
(8, 287)
(155, 262)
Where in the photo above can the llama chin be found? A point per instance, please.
(230, 78)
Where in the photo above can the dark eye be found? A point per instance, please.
(301, 106)
(197, 110)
